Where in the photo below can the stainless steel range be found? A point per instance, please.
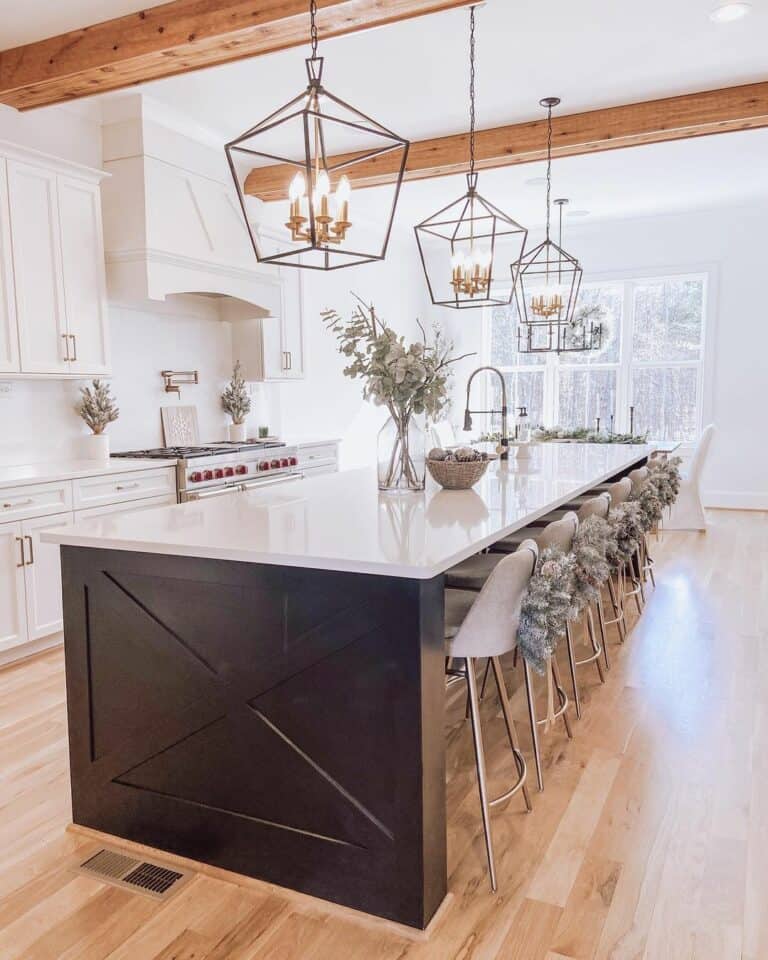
(218, 468)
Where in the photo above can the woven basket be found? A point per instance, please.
(455, 474)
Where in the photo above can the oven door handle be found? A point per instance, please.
(206, 494)
(283, 478)
(241, 487)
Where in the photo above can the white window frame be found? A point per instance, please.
(629, 279)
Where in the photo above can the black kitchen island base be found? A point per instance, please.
(279, 722)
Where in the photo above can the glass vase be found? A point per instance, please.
(401, 453)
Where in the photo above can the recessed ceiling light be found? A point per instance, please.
(730, 11)
(536, 182)
(578, 213)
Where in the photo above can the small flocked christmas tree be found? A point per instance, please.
(235, 399)
(97, 406)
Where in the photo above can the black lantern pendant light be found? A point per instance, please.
(304, 151)
(463, 245)
(547, 280)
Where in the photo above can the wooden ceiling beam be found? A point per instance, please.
(180, 36)
(653, 121)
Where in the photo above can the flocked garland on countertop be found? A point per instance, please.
(580, 434)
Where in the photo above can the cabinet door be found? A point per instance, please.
(275, 362)
(13, 619)
(9, 337)
(82, 256)
(42, 576)
(36, 250)
(292, 324)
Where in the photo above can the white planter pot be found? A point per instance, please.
(237, 432)
(96, 447)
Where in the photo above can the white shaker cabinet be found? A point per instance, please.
(9, 337)
(13, 618)
(51, 268)
(85, 297)
(42, 576)
(284, 340)
(36, 252)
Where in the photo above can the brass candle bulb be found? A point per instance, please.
(329, 229)
(470, 274)
(547, 306)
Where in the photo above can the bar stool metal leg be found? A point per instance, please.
(477, 736)
(617, 603)
(511, 733)
(597, 649)
(562, 711)
(603, 634)
(572, 666)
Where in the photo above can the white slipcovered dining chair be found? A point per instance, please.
(485, 624)
(688, 512)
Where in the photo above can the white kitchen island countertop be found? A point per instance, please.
(18, 475)
(341, 522)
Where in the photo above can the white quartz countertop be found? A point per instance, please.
(340, 521)
(16, 475)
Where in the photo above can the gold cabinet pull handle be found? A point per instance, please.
(31, 550)
(126, 486)
(20, 541)
(74, 346)
(65, 338)
(19, 503)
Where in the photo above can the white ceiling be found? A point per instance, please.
(412, 76)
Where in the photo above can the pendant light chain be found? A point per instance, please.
(313, 26)
(471, 91)
(549, 164)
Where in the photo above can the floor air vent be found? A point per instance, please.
(142, 876)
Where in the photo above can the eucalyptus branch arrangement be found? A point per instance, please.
(235, 399)
(407, 379)
(97, 406)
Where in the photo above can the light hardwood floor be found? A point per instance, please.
(650, 841)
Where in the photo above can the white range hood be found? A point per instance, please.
(172, 223)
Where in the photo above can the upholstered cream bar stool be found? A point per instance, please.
(485, 624)
(462, 585)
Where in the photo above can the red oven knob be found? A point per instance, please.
(275, 464)
(229, 472)
(208, 475)
(293, 461)
(195, 477)
(241, 469)
(284, 462)
(264, 465)
(218, 473)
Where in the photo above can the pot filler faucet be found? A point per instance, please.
(504, 454)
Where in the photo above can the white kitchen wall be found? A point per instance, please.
(728, 243)
(37, 419)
